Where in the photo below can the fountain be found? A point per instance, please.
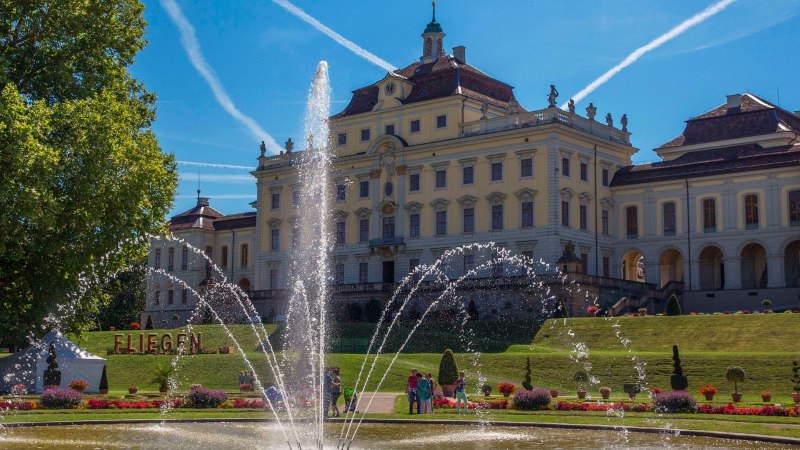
(299, 421)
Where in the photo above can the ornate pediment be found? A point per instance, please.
(274, 222)
(526, 194)
(585, 198)
(607, 202)
(340, 215)
(495, 198)
(440, 204)
(566, 193)
(467, 201)
(362, 212)
(414, 207)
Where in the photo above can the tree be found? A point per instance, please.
(448, 369)
(673, 306)
(104, 381)
(527, 383)
(83, 174)
(126, 296)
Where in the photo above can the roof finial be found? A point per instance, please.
(434, 11)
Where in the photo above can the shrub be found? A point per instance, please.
(486, 389)
(674, 402)
(506, 388)
(605, 391)
(532, 400)
(61, 398)
(708, 390)
(79, 385)
(200, 397)
(372, 310)
(580, 377)
(527, 382)
(673, 306)
(448, 369)
(796, 375)
(735, 375)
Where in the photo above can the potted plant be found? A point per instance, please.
(132, 389)
(632, 389)
(605, 391)
(448, 373)
(580, 378)
(161, 377)
(796, 381)
(735, 375)
(766, 396)
(78, 385)
(506, 388)
(486, 389)
(708, 391)
(104, 382)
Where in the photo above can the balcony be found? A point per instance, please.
(545, 117)
(387, 246)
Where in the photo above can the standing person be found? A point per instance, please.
(242, 380)
(327, 380)
(336, 391)
(411, 391)
(432, 391)
(461, 393)
(434, 385)
(423, 394)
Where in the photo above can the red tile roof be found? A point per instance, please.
(207, 218)
(437, 79)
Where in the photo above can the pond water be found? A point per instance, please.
(371, 436)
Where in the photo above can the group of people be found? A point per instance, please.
(422, 389)
(331, 390)
(247, 381)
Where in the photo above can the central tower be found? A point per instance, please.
(432, 40)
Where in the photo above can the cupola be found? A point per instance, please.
(432, 40)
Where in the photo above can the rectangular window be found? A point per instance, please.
(276, 200)
(632, 222)
(564, 214)
(468, 173)
(605, 177)
(469, 220)
(565, 167)
(341, 139)
(606, 266)
(184, 257)
(669, 218)
(390, 130)
(794, 208)
(441, 222)
(363, 189)
(341, 192)
(171, 259)
(415, 126)
(469, 263)
(157, 259)
(170, 297)
(223, 257)
(709, 215)
(441, 121)
(441, 179)
(751, 211)
(338, 274)
(412, 266)
(584, 172)
(184, 296)
(275, 239)
(526, 167)
(273, 278)
(388, 227)
(295, 198)
(583, 217)
(365, 134)
(413, 225)
(604, 221)
(497, 171)
(156, 297)
(527, 214)
(497, 217)
(340, 233)
(244, 256)
(363, 230)
(528, 254)
(585, 262)
(363, 272)
(413, 182)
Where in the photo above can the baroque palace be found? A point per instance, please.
(439, 154)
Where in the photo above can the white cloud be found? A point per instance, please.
(192, 46)
(219, 166)
(218, 178)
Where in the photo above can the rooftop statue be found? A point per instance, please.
(624, 122)
(571, 106)
(609, 120)
(551, 98)
(591, 111)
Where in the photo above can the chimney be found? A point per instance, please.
(460, 54)
(734, 102)
(202, 201)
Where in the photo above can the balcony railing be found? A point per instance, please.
(397, 240)
(544, 117)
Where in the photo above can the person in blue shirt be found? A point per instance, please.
(461, 393)
(423, 394)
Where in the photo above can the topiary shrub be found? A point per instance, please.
(678, 380)
(104, 381)
(673, 306)
(674, 402)
(527, 383)
(372, 310)
(448, 369)
(735, 375)
(472, 310)
(532, 400)
(486, 389)
(52, 375)
(580, 378)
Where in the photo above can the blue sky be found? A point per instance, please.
(264, 58)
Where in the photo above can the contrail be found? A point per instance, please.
(195, 54)
(221, 166)
(652, 45)
(341, 40)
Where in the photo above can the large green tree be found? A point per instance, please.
(82, 172)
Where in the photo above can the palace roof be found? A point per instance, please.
(443, 77)
(204, 217)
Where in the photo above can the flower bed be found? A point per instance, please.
(18, 406)
(793, 411)
(98, 403)
(634, 407)
(450, 403)
(535, 399)
(200, 397)
(61, 398)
